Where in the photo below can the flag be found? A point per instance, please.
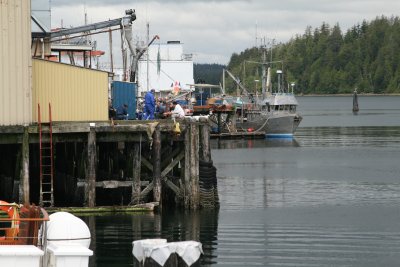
(158, 61)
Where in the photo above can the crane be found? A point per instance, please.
(124, 23)
(237, 81)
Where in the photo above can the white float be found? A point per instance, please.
(20, 255)
(68, 241)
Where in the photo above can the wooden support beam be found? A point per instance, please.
(90, 192)
(172, 164)
(136, 190)
(157, 166)
(205, 143)
(170, 156)
(112, 184)
(147, 190)
(194, 166)
(12, 129)
(24, 196)
(146, 163)
(173, 187)
(186, 182)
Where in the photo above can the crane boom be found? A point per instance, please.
(124, 21)
(237, 81)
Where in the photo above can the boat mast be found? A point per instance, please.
(264, 64)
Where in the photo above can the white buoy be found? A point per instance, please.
(64, 227)
(68, 241)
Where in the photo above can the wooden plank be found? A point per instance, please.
(11, 138)
(121, 137)
(112, 183)
(12, 129)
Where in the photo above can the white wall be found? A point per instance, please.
(173, 68)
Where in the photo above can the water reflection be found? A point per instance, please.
(253, 143)
(321, 137)
(112, 242)
(329, 197)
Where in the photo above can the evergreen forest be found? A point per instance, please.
(208, 73)
(325, 60)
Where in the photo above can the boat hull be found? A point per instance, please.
(281, 125)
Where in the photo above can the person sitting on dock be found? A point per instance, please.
(161, 109)
(112, 112)
(122, 112)
(177, 111)
(149, 105)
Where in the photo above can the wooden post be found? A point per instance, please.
(157, 165)
(205, 143)
(187, 184)
(24, 184)
(194, 166)
(136, 173)
(90, 189)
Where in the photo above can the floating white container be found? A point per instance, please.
(20, 255)
(67, 255)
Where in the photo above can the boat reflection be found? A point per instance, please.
(253, 143)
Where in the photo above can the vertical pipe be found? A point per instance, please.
(90, 192)
(157, 166)
(136, 174)
(24, 185)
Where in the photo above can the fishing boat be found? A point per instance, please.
(272, 113)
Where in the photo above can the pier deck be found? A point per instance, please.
(102, 164)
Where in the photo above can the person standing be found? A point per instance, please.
(149, 105)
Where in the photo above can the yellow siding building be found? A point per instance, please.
(75, 93)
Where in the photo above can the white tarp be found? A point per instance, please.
(159, 250)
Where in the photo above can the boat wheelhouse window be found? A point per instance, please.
(287, 107)
(281, 107)
(293, 108)
(276, 107)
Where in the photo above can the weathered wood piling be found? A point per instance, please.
(104, 164)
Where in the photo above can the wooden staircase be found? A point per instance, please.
(46, 161)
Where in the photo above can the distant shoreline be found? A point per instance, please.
(359, 94)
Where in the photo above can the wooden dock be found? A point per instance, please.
(104, 164)
(237, 135)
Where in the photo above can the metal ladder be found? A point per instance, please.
(46, 161)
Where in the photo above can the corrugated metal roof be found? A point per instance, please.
(16, 64)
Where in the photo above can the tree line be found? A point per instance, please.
(324, 60)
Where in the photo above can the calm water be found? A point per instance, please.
(329, 197)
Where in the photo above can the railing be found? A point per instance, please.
(23, 228)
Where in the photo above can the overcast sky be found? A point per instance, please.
(213, 30)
